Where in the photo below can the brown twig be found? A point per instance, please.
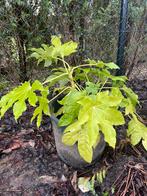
(127, 182)
(132, 182)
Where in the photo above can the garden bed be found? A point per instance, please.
(29, 164)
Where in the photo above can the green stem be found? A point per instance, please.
(86, 77)
(103, 85)
(59, 94)
(64, 74)
(70, 72)
(64, 62)
(84, 65)
(71, 80)
(77, 86)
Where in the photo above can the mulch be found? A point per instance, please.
(30, 166)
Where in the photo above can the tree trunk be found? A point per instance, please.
(71, 19)
(72, 8)
(22, 59)
(82, 30)
(20, 39)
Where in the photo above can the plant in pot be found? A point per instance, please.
(92, 103)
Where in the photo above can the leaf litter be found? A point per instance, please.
(29, 164)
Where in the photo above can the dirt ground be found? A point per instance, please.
(30, 166)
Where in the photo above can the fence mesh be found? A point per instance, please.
(94, 24)
(136, 42)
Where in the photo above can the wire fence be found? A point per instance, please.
(94, 25)
(136, 44)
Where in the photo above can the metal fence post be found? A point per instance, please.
(122, 36)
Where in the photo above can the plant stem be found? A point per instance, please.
(64, 74)
(71, 80)
(78, 86)
(64, 63)
(103, 85)
(86, 77)
(84, 65)
(59, 94)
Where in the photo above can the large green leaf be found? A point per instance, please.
(68, 48)
(129, 107)
(92, 88)
(92, 127)
(131, 95)
(42, 108)
(56, 41)
(114, 116)
(119, 78)
(109, 99)
(109, 133)
(32, 98)
(18, 97)
(67, 118)
(37, 86)
(71, 137)
(70, 107)
(18, 108)
(137, 131)
(111, 65)
(74, 127)
(92, 115)
(144, 141)
(84, 147)
(50, 54)
(78, 132)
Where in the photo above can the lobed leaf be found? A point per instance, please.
(84, 147)
(131, 95)
(56, 41)
(136, 132)
(17, 99)
(70, 138)
(50, 54)
(109, 133)
(70, 107)
(111, 65)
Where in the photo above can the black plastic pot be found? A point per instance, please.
(70, 154)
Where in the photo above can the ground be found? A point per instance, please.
(30, 166)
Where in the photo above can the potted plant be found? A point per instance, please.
(92, 103)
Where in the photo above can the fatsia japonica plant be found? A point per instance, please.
(93, 100)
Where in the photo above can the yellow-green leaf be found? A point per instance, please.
(84, 147)
(109, 133)
(131, 95)
(137, 131)
(114, 116)
(92, 127)
(70, 138)
(18, 108)
(56, 41)
(144, 141)
(111, 65)
(32, 98)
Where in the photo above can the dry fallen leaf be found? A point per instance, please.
(63, 178)
(25, 132)
(13, 146)
(83, 184)
(48, 179)
(74, 181)
(32, 143)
